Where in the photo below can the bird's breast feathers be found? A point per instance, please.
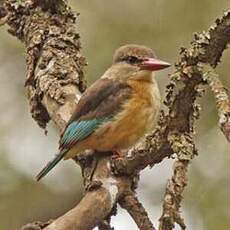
(125, 112)
(138, 116)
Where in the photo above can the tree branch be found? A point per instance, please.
(173, 197)
(98, 201)
(132, 205)
(221, 97)
(54, 79)
(184, 147)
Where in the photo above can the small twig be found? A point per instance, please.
(184, 147)
(173, 196)
(221, 96)
(132, 205)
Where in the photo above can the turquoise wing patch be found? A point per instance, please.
(79, 130)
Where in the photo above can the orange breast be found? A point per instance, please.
(132, 123)
(137, 118)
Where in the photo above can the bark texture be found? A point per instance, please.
(54, 80)
(54, 83)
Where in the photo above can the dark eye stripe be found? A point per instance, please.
(131, 60)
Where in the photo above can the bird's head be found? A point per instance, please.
(135, 61)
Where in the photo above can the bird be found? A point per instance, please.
(116, 111)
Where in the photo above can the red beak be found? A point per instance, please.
(153, 64)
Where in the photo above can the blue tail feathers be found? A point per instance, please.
(50, 165)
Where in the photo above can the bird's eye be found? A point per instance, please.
(132, 60)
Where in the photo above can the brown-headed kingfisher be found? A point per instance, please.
(117, 110)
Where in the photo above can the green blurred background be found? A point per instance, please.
(165, 26)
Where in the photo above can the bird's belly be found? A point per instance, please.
(128, 127)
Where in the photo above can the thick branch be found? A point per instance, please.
(98, 201)
(54, 64)
(83, 216)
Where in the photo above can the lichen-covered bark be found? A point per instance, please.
(133, 206)
(54, 80)
(184, 148)
(173, 196)
(222, 99)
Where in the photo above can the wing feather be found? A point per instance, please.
(79, 130)
(101, 102)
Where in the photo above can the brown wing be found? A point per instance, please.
(101, 101)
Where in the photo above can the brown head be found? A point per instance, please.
(131, 60)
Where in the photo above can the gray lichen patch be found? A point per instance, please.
(183, 146)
